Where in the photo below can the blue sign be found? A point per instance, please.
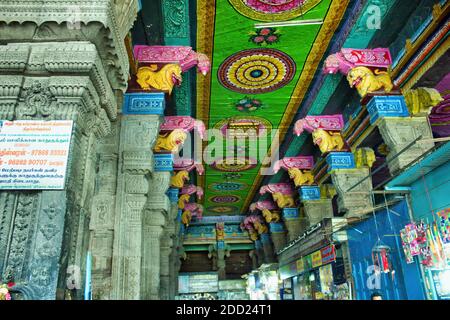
(387, 106)
(144, 103)
(309, 193)
(291, 213)
(340, 160)
(277, 227)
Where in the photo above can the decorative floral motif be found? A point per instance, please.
(225, 199)
(4, 291)
(256, 71)
(248, 104)
(228, 186)
(273, 10)
(232, 176)
(223, 209)
(265, 36)
(234, 164)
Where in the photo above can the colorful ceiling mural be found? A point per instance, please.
(258, 77)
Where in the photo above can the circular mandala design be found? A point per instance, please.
(225, 199)
(228, 186)
(273, 10)
(234, 164)
(222, 209)
(256, 71)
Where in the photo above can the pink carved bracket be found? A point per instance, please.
(196, 210)
(249, 222)
(184, 56)
(348, 59)
(283, 188)
(261, 205)
(188, 165)
(311, 123)
(191, 189)
(300, 162)
(185, 123)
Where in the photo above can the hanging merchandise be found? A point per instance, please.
(444, 225)
(381, 257)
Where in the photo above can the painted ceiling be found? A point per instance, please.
(258, 79)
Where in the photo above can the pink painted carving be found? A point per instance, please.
(188, 165)
(261, 205)
(300, 162)
(283, 188)
(196, 210)
(191, 189)
(250, 221)
(311, 123)
(182, 55)
(348, 59)
(185, 123)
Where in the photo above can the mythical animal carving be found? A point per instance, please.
(184, 198)
(327, 191)
(179, 178)
(283, 200)
(164, 79)
(270, 216)
(301, 177)
(364, 157)
(254, 225)
(366, 81)
(328, 140)
(260, 227)
(220, 232)
(170, 141)
(420, 101)
(186, 217)
(195, 209)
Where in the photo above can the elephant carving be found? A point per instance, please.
(301, 177)
(283, 200)
(179, 178)
(366, 81)
(170, 141)
(164, 79)
(328, 140)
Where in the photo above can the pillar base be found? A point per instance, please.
(317, 210)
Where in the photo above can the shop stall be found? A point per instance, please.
(264, 283)
(198, 286)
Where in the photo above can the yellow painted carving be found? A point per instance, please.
(328, 141)
(364, 157)
(164, 79)
(283, 200)
(260, 227)
(420, 101)
(170, 141)
(253, 235)
(179, 178)
(327, 191)
(270, 216)
(186, 217)
(301, 177)
(184, 198)
(365, 81)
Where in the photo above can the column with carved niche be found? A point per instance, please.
(139, 129)
(172, 227)
(103, 213)
(49, 87)
(154, 224)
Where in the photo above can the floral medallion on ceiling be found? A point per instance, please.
(234, 164)
(273, 10)
(228, 186)
(256, 71)
(265, 36)
(248, 104)
(218, 209)
(225, 199)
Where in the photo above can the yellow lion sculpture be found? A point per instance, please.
(170, 141)
(301, 178)
(283, 201)
(328, 141)
(253, 234)
(186, 218)
(365, 81)
(270, 216)
(420, 101)
(178, 179)
(164, 79)
(364, 157)
(184, 198)
(260, 227)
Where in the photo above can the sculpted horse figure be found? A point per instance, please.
(164, 79)
(328, 140)
(301, 177)
(179, 178)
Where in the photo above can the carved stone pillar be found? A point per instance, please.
(357, 201)
(138, 135)
(253, 255)
(269, 254)
(294, 223)
(317, 210)
(154, 220)
(278, 233)
(259, 252)
(398, 133)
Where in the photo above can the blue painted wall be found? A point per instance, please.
(433, 191)
(406, 284)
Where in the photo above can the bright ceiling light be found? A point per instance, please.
(289, 23)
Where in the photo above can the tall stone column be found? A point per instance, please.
(269, 254)
(259, 252)
(172, 230)
(136, 167)
(278, 233)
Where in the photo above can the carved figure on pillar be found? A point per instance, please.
(220, 232)
(170, 141)
(366, 69)
(268, 209)
(299, 169)
(420, 101)
(179, 178)
(191, 210)
(364, 157)
(163, 80)
(282, 194)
